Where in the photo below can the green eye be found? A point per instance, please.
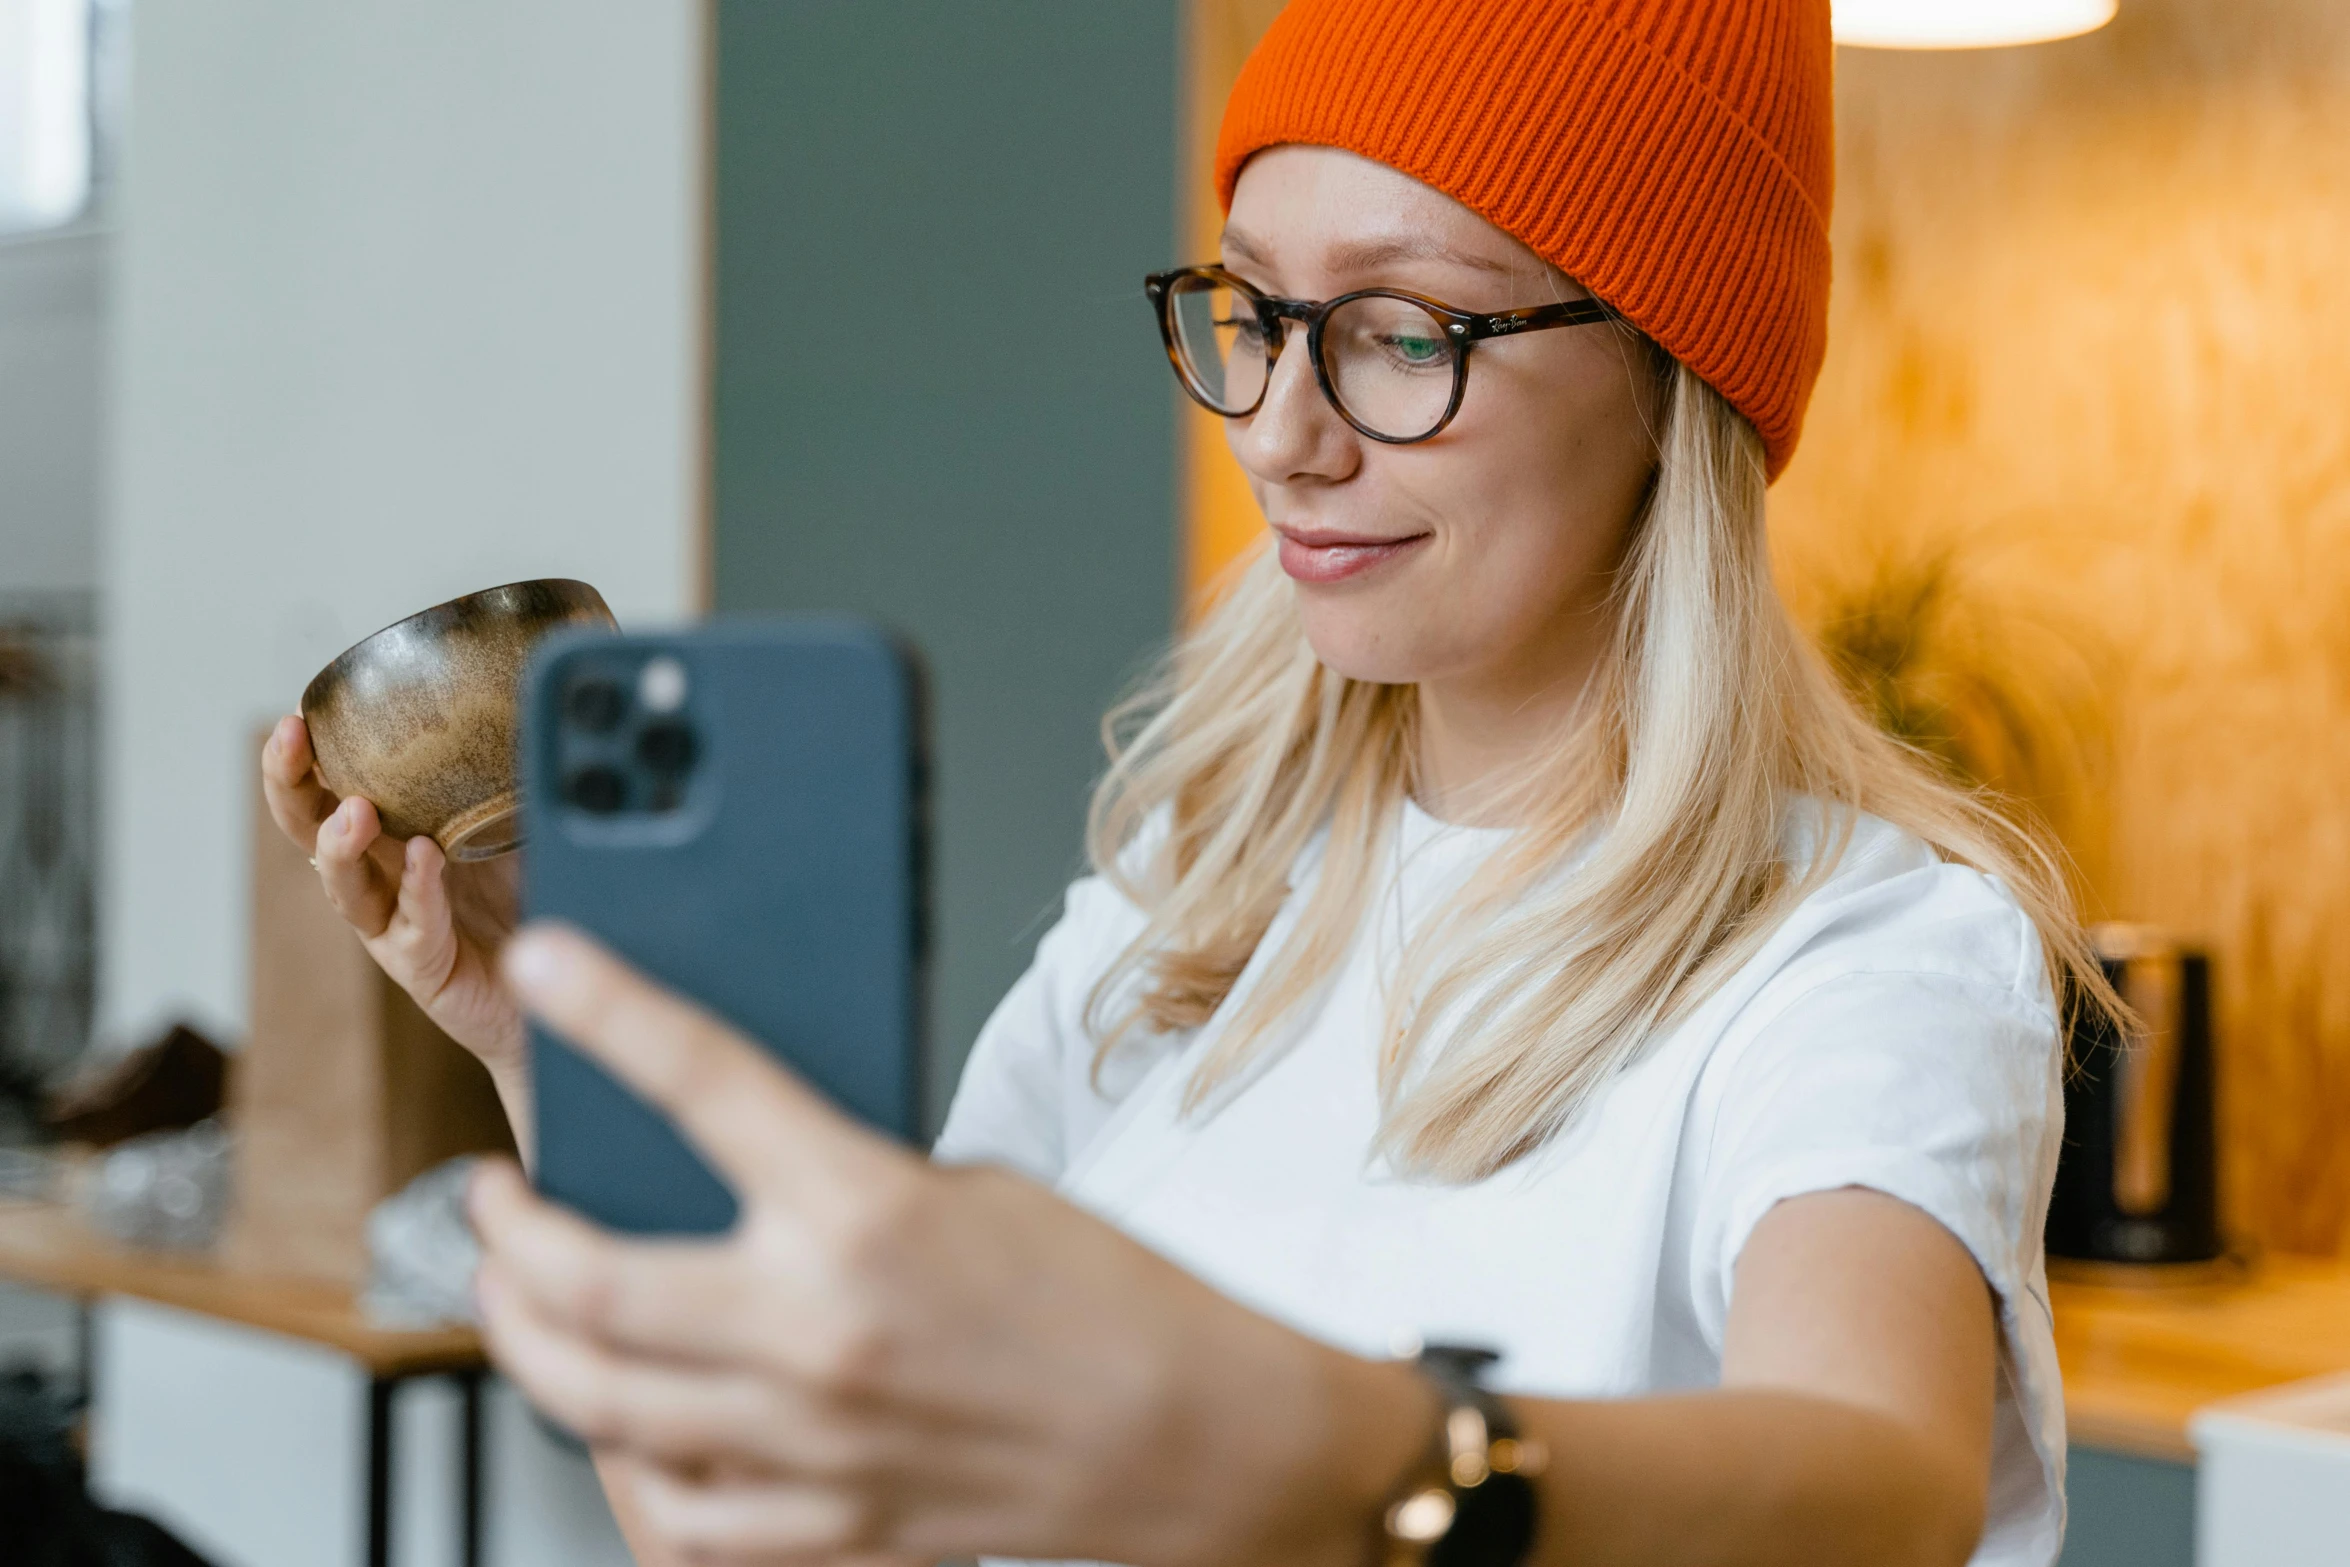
(1413, 349)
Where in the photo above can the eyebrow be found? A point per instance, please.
(1366, 255)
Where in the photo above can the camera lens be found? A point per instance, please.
(595, 704)
(667, 747)
(598, 790)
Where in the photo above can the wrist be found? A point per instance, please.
(1287, 1457)
(1388, 1418)
(1362, 1433)
(510, 1077)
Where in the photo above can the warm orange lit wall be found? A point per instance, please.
(2091, 332)
(1220, 516)
(2091, 336)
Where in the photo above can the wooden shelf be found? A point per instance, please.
(47, 1247)
(2140, 1359)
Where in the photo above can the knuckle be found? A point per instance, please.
(591, 1295)
(880, 1220)
(672, 1439)
(850, 1354)
(859, 1522)
(416, 952)
(698, 1067)
(592, 1404)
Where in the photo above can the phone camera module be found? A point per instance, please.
(598, 790)
(595, 704)
(667, 748)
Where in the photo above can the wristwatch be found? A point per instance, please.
(1470, 1502)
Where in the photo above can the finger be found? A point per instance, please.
(674, 1414)
(298, 802)
(753, 1120)
(354, 880)
(420, 913)
(678, 1300)
(762, 1520)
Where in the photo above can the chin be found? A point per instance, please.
(1363, 646)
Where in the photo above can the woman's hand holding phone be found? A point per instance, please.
(886, 1361)
(434, 926)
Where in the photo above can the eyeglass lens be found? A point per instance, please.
(1390, 363)
(1221, 343)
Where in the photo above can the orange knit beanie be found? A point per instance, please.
(1675, 157)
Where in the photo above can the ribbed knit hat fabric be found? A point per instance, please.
(1675, 157)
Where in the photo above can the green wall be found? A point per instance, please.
(940, 399)
(2128, 1512)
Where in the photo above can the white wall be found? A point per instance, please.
(406, 301)
(52, 290)
(407, 304)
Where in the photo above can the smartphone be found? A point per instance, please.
(740, 812)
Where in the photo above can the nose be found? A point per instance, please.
(1295, 436)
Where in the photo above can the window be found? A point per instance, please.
(48, 120)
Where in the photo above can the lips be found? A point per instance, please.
(1310, 555)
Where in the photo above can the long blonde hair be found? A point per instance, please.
(1709, 716)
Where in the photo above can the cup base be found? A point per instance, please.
(488, 830)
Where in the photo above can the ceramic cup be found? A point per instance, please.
(421, 717)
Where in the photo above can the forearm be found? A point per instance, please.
(1753, 1478)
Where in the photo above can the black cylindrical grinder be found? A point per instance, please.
(2138, 1179)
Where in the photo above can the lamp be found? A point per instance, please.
(1964, 24)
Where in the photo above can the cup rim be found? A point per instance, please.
(446, 606)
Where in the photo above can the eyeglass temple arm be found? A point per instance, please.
(1509, 323)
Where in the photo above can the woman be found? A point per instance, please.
(1502, 933)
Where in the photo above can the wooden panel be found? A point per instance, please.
(309, 1082)
(2090, 342)
(344, 1091)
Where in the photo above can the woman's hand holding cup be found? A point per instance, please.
(397, 779)
(433, 925)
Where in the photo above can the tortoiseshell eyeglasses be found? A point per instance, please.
(1393, 364)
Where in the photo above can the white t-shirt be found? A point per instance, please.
(1896, 1032)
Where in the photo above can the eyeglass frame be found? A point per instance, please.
(1463, 329)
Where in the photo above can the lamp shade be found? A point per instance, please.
(1964, 24)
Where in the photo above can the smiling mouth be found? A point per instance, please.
(1317, 557)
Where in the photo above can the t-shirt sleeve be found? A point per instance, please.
(1029, 1097)
(1942, 1089)
(1938, 1090)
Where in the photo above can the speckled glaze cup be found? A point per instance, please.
(420, 718)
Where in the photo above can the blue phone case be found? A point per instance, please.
(777, 877)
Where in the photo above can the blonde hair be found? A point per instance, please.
(1709, 717)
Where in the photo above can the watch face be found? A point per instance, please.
(1492, 1526)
